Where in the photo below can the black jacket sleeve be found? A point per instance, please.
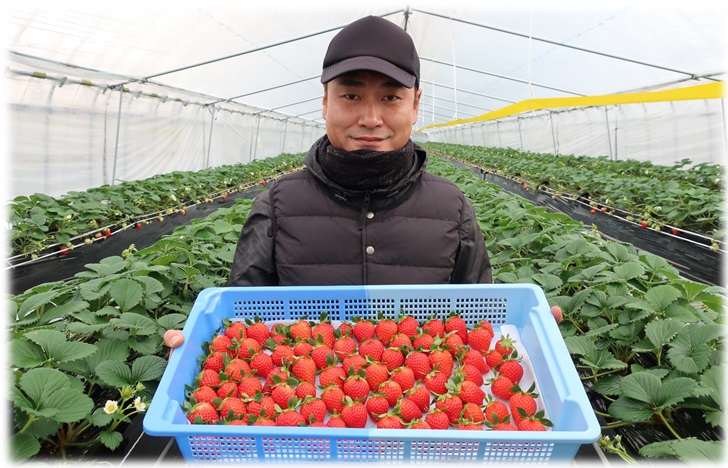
(472, 264)
(254, 260)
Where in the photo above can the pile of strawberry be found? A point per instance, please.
(399, 374)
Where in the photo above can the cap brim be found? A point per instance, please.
(368, 63)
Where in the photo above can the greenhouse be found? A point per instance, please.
(348, 264)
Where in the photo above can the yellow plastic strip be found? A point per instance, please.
(697, 92)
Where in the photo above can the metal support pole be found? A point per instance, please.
(209, 137)
(118, 127)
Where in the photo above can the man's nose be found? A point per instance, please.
(371, 115)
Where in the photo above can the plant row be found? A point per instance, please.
(646, 341)
(39, 222)
(680, 197)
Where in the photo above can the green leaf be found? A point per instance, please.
(603, 359)
(660, 332)
(35, 301)
(548, 282)
(57, 349)
(136, 324)
(23, 446)
(25, 354)
(641, 386)
(114, 374)
(126, 293)
(629, 410)
(661, 297)
(148, 368)
(111, 439)
(689, 351)
(54, 397)
(689, 450)
(675, 391)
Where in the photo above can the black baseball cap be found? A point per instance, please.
(373, 43)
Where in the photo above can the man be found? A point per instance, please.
(364, 211)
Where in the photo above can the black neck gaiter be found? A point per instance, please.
(366, 169)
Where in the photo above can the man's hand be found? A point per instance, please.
(558, 315)
(173, 339)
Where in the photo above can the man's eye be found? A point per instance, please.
(350, 96)
(391, 98)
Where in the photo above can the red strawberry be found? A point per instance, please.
(236, 369)
(313, 408)
(487, 325)
(283, 392)
(203, 413)
(258, 331)
(224, 344)
(536, 422)
(522, 403)
(643, 224)
(232, 408)
(479, 339)
(260, 406)
(276, 376)
(504, 345)
(204, 394)
(377, 406)
(354, 413)
(336, 421)
(249, 386)
(400, 340)
(512, 369)
(475, 358)
(362, 329)
(302, 348)
(289, 417)
(227, 389)
(304, 368)
(504, 426)
(463, 426)
(408, 409)
(442, 360)
(495, 410)
(408, 325)
(371, 348)
(281, 353)
(451, 404)
(472, 413)
(261, 363)
(435, 382)
(471, 393)
(421, 396)
(423, 342)
(322, 356)
(392, 358)
(208, 377)
(235, 330)
(434, 327)
(215, 361)
(305, 389)
(385, 329)
(236, 422)
(353, 361)
(325, 331)
(493, 358)
(332, 375)
(500, 386)
(356, 386)
(454, 344)
(376, 374)
(248, 347)
(262, 421)
(404, 376)
(345, 329)
(472, 374)
(390, 422)
(437, 419)
(344, 346)
(333, 398)
(392, 390)
(419, 424)
(419, 362)
(300, 331)
(455, 323)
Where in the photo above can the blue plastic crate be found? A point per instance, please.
(522, 307)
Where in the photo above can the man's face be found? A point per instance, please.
(368, 110)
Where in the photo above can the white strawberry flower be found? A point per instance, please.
(111, 406)
(140, 405)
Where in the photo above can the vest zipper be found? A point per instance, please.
(364, 209)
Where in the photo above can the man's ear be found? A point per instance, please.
(324, 102)
(415, 110)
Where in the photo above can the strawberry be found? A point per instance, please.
(289, 417)
(493, 358)
(257, 330)
(249, 386)
(232, 408)
(419, 424)
(464, 426)
(345, 329)
(302, 348)
(248, 347)
(203, 413)
(495, 410)
(419, 362)
(504, 424)
(227, 389)
(487, 325)
(372, 349)
(275, 376)
(278, 333)
(300, 331)
(437, 419)
(332, 375)
(322, 355)
(408, 410)
(392, 390)
(404, 376)
(454, 344)
(262, 421)
(535, 422)
(353, 363)
(236, 422)
(261, 363)
(363, 329)
(392, 358)
(354, 413)
(283, 391)
(504, 345)
(356, 386)
(408, 325)
(204, 394)
(281, 353)
(236, 369)
(451, 404)
(313, 407)
(376, 374)
(472, 374)
(377, 406)
(325, 330)
(479, 339)
(385, 329)
(260, 406)
(471, 393)
(523, 402)
(435, 382)
(344, 346)
(399, 340)
(208, 377)
(511, 368)
(500, 386)
(304, 368)
(474, 358)
(643, 224)
(222, 343)
(333, 398)
(421, 396)
(423, 342)
(235, 330)
(305, 389)
(441, 359)
(434, 327)
(471, 412)
(390, 422)
(455, 323)
(336, 421)
(215, 361)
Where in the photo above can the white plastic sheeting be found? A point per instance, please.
(100, 92)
